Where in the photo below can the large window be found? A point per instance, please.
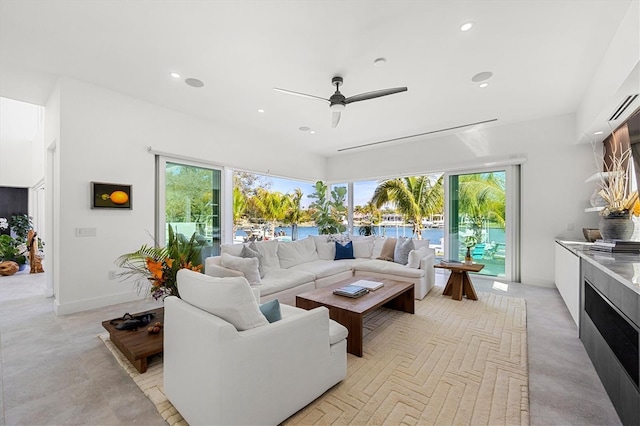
(189, 199)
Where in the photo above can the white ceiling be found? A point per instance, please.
(542, 54)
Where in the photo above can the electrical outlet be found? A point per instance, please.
(112, 275)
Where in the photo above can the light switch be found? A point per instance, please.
(85, 232)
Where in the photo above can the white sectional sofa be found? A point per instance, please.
(293, 267)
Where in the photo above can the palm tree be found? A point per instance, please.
(415, 197)
(272, 206)
(482, 198)
(239, 207)
(294, 213)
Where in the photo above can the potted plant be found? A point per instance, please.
(328, 213)
(469, 241)
(156, 267)
(11, 250)
(620, 203)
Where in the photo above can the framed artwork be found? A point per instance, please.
(110, 196)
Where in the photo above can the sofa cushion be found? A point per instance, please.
(269, 251)
(296, 252)
(251, 250)
(388, 248)
(415, 256)
(271, 310)
(362, 248)
(248, 266)
(232, 249)
(402, 249)
(276, 280)
(324, 268)
(344, 251)
(326, 251)
(337, 332)
(228, 298)
(391, 268)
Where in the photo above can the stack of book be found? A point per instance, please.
(616, 246)
(351, 291)
(451, 262)
(369, 285)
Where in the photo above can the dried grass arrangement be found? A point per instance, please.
(614, 187)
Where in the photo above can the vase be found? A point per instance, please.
(468, 260)
(616, 226)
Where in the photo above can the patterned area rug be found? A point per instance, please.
(453, 362)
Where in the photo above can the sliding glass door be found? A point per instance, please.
(189, 201)
(482, 214)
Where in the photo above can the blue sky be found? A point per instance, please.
(362, 190)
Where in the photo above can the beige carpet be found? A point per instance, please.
(453, 362)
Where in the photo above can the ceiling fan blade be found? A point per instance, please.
(335, 119)
(374, 94)
(304, 95)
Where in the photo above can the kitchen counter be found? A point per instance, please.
(624, 267)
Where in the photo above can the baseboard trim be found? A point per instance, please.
(93, 303)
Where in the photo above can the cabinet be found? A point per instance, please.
(567, 278)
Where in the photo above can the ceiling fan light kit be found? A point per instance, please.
(338, 102)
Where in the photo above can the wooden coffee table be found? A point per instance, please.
(350, 312)
(138, 345)
(459, 283)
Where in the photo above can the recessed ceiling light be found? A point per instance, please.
(304, 129)
(379, 62)
(175, 75)
(483, 85)
(194, 82)
(260, 110)
(466, 26)
(482, 76)
(599, 132)
(313, 132)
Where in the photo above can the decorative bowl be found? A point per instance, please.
(591, 234)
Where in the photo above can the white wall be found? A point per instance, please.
(553, 191)
(104, 137)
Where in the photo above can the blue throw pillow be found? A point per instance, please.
(271, 310)
(344, 251)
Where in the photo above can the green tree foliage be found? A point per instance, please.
(329, 213)
(482, 198)
(272, 206)
(189, 197)
(415, 197)
(294, 214)
(239, 207)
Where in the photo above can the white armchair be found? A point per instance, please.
(215, 374)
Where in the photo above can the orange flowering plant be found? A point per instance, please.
(156, 267)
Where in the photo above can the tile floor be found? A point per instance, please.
(55, 371)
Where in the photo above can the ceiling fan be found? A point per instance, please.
(338, 102)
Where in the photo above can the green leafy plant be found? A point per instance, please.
(20, 224)
(10, 250)
(156, 267)
(470, 241)
(328, 214)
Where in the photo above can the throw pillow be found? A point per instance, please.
(388, 249)
(421, 243)
(344, 251)
(402, 249)
(249, 266)
(271, 310)
(338, 238)
(228, 298)
(252, 251)
(415, 256)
